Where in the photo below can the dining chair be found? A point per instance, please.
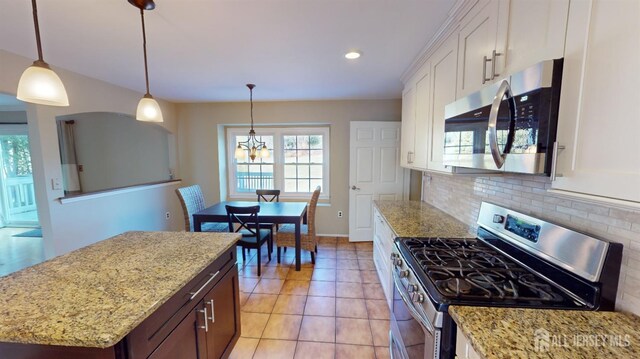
(268, 195)
(247, 222)
(192, 201)
(286, 237)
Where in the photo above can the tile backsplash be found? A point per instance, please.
(461, 195)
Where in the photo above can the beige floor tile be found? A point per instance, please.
(314, 350)
(302, 274)
(275, 272)
(250, 271)
(247, 284)
(327, 239)
(345, 351)
(346, 255)
(275, 349)
(323, 306)
(366, 264)
(243, 298)
(282, 326)
(342, 240)
(348, 275)
(373, 291)
(269, 286)
(322, 289)
(364, 246)
(351, 308)
(353, 331)
(322, 246)
(318, 329)
(253, 324)
(377, 309)
(290, 304)
(346, 246)
(382, 353)
(245, 347)
(260, 303)
(349, 290)
(347, 264)
(325, 263)
(369, 276)
(364, 255)
(326, 253)
(327, 275)
(380, 332)
(295, 287)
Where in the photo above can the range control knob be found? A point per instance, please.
(404, 274)
(412, 288)
(419, 298)
(393, 256)
(398, 262)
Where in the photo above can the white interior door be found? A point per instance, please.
(374, 174)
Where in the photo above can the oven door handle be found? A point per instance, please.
(412, 310)
(505, 89)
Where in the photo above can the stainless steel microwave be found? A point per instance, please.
(509, 126)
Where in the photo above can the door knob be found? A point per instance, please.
(355, 188)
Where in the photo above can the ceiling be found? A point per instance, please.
(207, 50)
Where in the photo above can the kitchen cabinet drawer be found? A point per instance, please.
(383, 267)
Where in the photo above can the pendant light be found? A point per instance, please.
(257, 149)
(148, 108)
(38, 83)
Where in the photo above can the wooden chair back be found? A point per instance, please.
(268, 195)
(246, 219)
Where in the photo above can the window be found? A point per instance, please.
(298, 162)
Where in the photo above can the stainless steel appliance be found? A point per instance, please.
(509, 126)
(515, 261)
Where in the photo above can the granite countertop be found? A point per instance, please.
(96, 295)
(512, 332)
(419, 219)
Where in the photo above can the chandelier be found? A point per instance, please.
(256, 149)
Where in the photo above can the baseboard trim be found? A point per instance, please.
(331, 235)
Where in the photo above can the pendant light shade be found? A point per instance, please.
(38, 83)
(148, 108)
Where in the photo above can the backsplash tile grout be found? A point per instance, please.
(461, 196)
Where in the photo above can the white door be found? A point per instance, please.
(374, 174)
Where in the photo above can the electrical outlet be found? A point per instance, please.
(167, 215)
(339, 214)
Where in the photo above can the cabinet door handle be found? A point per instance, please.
(484, 70)
(213, 313)
(206, 325)
(195, 294)
(494, 54)
(554, 161)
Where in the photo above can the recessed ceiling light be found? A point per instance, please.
(352, 55)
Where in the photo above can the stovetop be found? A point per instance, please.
(468, 271)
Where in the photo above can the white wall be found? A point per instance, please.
(199, 137)
(69, 226)
(117, 150)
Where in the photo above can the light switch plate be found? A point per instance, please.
(56, 183)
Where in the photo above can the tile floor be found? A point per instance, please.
(18, 252)
(333, 309)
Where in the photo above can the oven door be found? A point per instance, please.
(411, 335)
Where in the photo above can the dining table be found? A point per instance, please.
(270, 212)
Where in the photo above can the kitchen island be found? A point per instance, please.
(136, 295)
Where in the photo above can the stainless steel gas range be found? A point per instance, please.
(515, 261)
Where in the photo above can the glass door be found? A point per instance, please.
(16, 177)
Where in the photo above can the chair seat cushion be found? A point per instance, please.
(251, 238)
(291, 228)
(215, 227)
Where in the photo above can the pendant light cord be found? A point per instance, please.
(251, 100)
(37, 26)
(144, 47)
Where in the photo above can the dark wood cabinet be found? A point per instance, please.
(179, 328)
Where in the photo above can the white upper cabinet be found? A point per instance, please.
(598, 125)
(415, 121)
(444, 63)
(536, 32)
(481, 46)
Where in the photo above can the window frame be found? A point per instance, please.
(278, 134)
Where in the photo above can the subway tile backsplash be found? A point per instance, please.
(461, 195)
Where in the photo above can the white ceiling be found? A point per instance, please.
(207, 50)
